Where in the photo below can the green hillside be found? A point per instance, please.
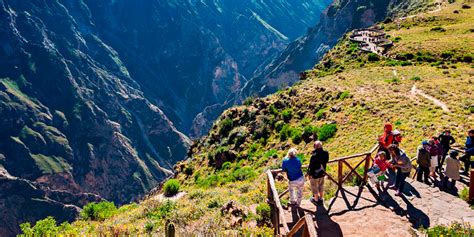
(345, 101)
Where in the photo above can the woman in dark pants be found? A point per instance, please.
(403, 164)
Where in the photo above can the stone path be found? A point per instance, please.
(380, 213)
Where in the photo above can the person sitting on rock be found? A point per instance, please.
(452, 170)
(317, 171)
(292, 166)
(423, 160)
(378, 170)
(469, 148)
(402, 163)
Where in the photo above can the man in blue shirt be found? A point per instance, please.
(292, 166)
(469, 151)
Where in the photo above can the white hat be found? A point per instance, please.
(396, 132)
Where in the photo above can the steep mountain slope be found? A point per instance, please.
(97, 96)
(345, 101)
(210, 46)
(302, 54)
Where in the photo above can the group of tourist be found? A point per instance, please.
(431, 156)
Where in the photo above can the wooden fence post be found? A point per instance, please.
(471, 186)
(339, 174)
(366, 167)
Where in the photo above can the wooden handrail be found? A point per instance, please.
(276, 200)
(308, 224)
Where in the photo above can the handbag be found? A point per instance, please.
(319, 172)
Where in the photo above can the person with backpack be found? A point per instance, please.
(452, 170)
(445, 141)
(423, 160)
(469, 149)
(402, 163)
(317, 171)
(292, 166)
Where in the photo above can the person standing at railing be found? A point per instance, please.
(469, 148)
(445, 140)
(435, 152)
(292, 166)
(317, 171)
(423, 159)
(402, 163)
(452, 170)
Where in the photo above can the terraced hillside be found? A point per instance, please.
(345, 101)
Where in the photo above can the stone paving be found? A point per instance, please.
(375, 212)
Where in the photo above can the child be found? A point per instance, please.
(377, 172)
(452, 170)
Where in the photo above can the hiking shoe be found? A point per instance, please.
(392, 187)
(313, 201)
(398, 194)
(428, 183)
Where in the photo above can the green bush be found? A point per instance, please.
(149, 226)
(279, 125)
(98, 211)
(454, 230)
(243, 173)
(171, 187)
(285, 132)
(296, 135)
(464, 194)
(226, 126)
(263, 212)
(416, 78)
(163, 211)
(320, 114)
(393, 81)
(327, 131)
(45, 227)
(287, 114)
(405, 63)
(249, 100)
(213, 204)
(344, 95)
(372, 57)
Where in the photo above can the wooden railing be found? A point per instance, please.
(273, 197)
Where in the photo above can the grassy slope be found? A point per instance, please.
(373, 97)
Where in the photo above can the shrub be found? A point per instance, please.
(455, 229)
(464, 194)
(393, 81)
(279, 125)
(465, 6)
(263, 212)
(327, 131)
(287, 114)
(188, 171)
(45, 227)
(171, 187)
(249, 100)
(397, 39)
(243, 173)
(467, 58)
(149, 226)
(213, 204)
(296, 135)
(344, 95)
(309, 131)
(372, 57)
(98, 211)
(164, 210)
(226, 126)
(438, 29)
(416, 78)
(405, 63)
(284, 132)
(320, 114)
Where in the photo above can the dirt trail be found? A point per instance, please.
(415, 91)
